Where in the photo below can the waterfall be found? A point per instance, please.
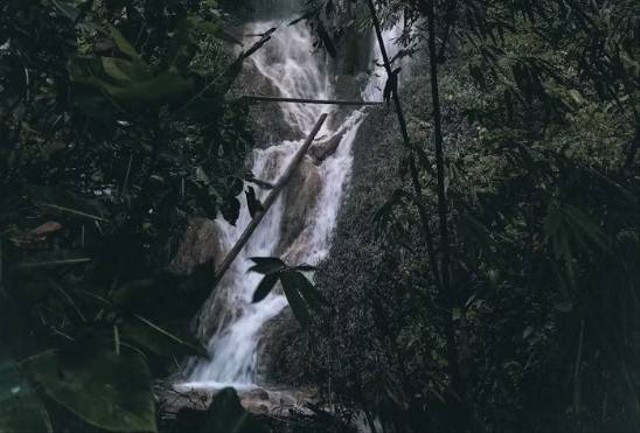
(295, 69)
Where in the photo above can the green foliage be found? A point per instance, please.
(540, 124)
(114, 131)
(300, 293)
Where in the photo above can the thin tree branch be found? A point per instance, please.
(309, 101)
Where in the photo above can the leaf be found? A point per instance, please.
(21, 410)
(310, 294)
(224, 415)
(267, 265)
(253, 203)
(124, 45)
(111, 391)
(124, 70)
(231, 210)
(159, 340)
(265, 287)
(298, 306)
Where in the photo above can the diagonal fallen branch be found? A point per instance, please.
(271, 198)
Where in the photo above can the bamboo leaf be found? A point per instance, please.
(265, 287)
(310, 294)
(111, 391)
(297, 304)
(267, 265)
(124, 45)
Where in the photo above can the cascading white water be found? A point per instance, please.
(292, 66)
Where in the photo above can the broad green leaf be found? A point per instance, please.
(231, 210)
(267, 265)
(124, 70)
(253, 203)
(109, 390)
(20, 408)
(290, 285)
(124, 45)
(224, 415)
(305, 288)
(265, 287)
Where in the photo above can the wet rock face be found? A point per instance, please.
(200, 244)
(270, 125)
(280, 364)
(300, 196)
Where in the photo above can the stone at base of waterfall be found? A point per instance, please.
(200, 244)
(259, 401)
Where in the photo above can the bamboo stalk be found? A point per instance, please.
(271, 199)
(310, 101)
(415, 177)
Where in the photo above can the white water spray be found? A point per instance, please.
(292, 66)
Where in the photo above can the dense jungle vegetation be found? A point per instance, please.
(485, 272)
